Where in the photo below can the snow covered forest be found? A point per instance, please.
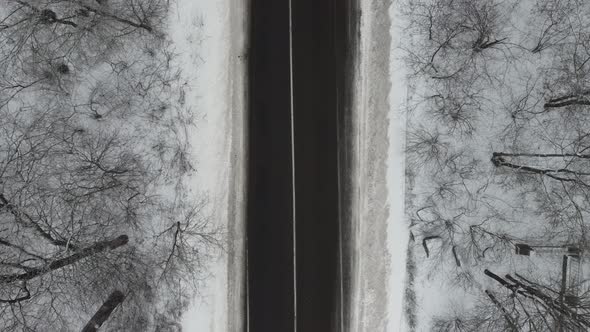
(94, 160)
(498, 164)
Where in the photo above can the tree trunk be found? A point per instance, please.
(562, 291)
(556, 309)
(104, 311)
(558, 173)
(57, 264)
(425, 244)
(498, 279)
(580, 98)
(457, 260)
(567, 101)
(20, 217)
(542, 155)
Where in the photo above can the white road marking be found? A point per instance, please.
(293, 167)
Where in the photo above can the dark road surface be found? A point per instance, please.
(299, 286)
(269, 212)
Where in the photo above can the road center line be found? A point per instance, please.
(293, 167)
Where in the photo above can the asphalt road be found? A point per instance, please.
(269, 211)
(296, 212)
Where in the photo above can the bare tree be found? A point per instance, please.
(488, 314)
(553, 22)
(45, 43)
(426, 148)
(68, 191)
(520, 303)
(92, 147)
(540, 307)
(452, 35)
(493, 84)
(456, 106)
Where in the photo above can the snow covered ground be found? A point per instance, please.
(515, 83)
(381, 231)
(209, 36)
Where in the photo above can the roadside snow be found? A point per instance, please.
(397, 238)
(209, 38)
(381, 233)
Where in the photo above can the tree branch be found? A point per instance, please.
(18, 214)
(57, 264)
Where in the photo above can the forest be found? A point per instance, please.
(498, 164)
(98, 227)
